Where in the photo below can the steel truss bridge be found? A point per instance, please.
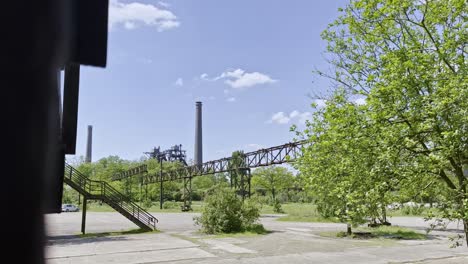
(285, 153)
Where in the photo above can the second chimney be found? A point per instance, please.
(198, 134)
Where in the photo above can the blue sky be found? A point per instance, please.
(249, 62)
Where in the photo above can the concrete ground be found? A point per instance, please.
(289, 242)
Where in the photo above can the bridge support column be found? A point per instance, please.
(249, 177)
(161, 195)
(161, 189)
(187, 194)
(244, 186)
(83, 216)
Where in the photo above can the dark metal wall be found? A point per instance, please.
(41, 38)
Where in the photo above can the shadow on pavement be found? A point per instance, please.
(77, 240)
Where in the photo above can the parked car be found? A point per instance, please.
(70, 208)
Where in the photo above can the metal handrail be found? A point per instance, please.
(109, 194)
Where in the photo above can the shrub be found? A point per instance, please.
(224, 212)
(277, 207)
(250, 212)
(171, 205)
(147, 203)
(412, 210)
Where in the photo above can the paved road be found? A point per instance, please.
(289, 242)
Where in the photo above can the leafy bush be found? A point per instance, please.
(277, 207)
(250, 212)
(224, 212)
(171, 205)
(412, 210)
(147, 204)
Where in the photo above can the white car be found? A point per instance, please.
(70, 208)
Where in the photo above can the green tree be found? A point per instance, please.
(236, 173)
(272, 179)
(408, 60)
(345, 166)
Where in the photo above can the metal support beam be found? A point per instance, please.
(244, 186)
(187, 194)
(83, 216)
(161, 189)
(249, 175)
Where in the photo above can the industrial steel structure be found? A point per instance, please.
(259, 158)
(175, 153)
(285, 153)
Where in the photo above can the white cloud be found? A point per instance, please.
(321, 103)
(282, 118)
(360, 101)
(240, 79)
(294, 114)
(231, 99)
(304, 117)
(129, 25)
(164, 4)
(168, 24)
(132, 15)
(226, 91)
(179, 82)
(204, 76)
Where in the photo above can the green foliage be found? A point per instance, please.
(172, 205)
(388, 232)
(202, 185)
(224, 212)
(343, 164)
(277, 207)
(407, 60)
(250, 212)
(147, 204)
(412, 210)
(273, 179)
(236, 162)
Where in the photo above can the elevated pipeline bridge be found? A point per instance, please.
(285, 153)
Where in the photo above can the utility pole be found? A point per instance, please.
(161, 199)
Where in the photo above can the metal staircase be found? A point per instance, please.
(101, 190)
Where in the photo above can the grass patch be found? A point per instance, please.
(381, 232)
(394, 232)
(312, 219)
(239, 234)
(117, 233)
(300, 212)
(176, 207)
